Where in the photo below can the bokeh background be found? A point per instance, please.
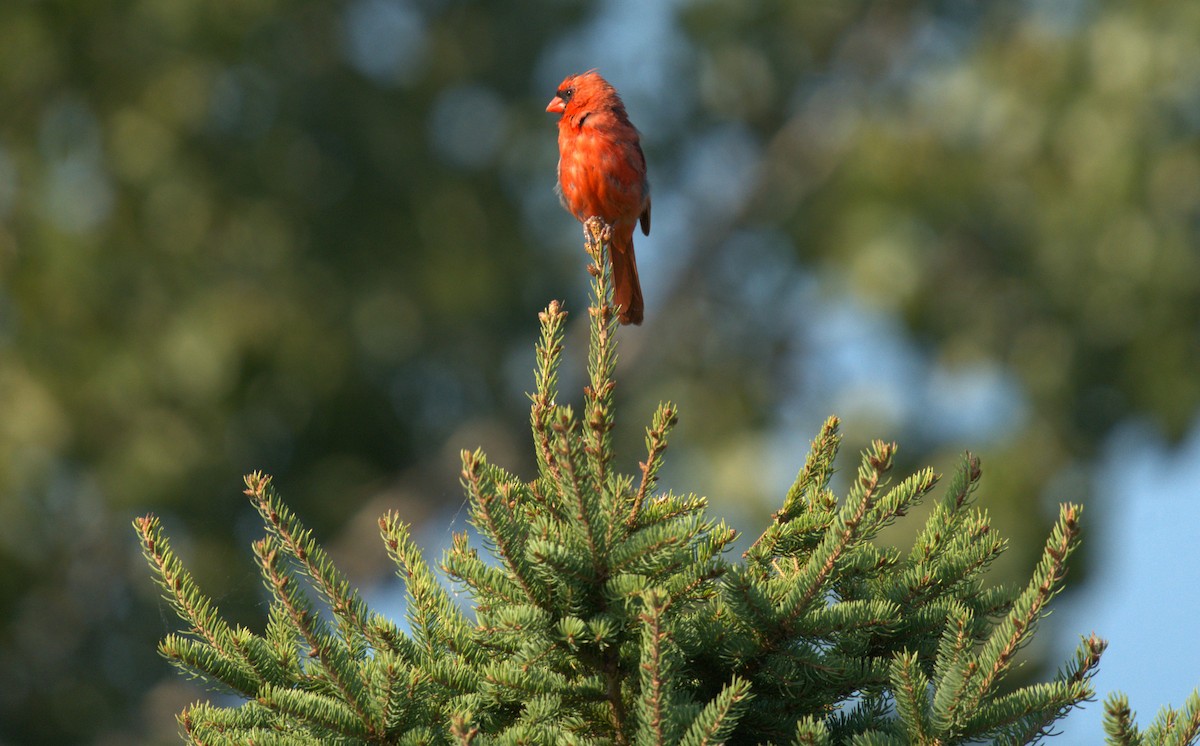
(312, 237)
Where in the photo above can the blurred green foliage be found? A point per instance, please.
(310, 238)
(226, 246)
(1019, 183)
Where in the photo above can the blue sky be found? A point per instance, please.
(1142, 592)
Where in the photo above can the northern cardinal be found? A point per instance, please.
(602, 172)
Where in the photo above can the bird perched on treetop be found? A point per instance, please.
(602, 173)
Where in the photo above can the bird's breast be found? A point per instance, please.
(600, 175)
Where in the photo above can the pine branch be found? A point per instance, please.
(218, 655)
(664, 420)
(953, 549)
(1118, 722)
(848, 528)
(602, 358)
(1016, 630)
(182, 593)
(203, 661)
(494, 505)
(910, 687)
(719, 717)
(345, 603)
(1072, 687)
(811, 731)
(487, 583)
(801, 498)
(330, 714)
(817, 471)
(438, 624)
(205, 725)
(1173, 727)
(464, 734)
(655, 673)
(548, 355)
(337, 667)
(578, 489)
(952, 671)
(1026, 715)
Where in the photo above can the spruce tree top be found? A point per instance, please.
(607, 611)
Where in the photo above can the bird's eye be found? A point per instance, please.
(566, 94)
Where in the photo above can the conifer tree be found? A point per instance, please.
(608, 611)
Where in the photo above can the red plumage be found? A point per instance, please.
(602, 172)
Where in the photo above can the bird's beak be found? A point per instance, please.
(556, 105)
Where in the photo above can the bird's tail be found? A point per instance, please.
(627, 289)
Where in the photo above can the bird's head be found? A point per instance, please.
(582, 93)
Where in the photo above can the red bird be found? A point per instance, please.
(602, 172)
